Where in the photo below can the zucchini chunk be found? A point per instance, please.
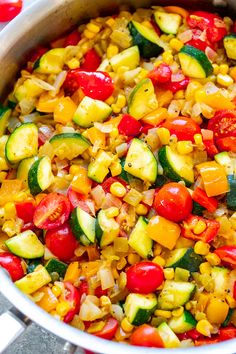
(51, 62)
(168, 337)
(129, 58)
(140, 161)
(230, 45)
(83, 226)
(194, 62)
(56, 266)
(26, 245)
(146, 39)
(183, 323)
(107, 229)
(5, 113)
(139, 239)
(138, 308)
(40, 175)
(175, 294)
(176, 167)
(22, 143)
(34, 281)
(142, 99)
(90, 111)
(69, 145)
(169, 23)
(184, 258)
(231, 195)
(23, 169)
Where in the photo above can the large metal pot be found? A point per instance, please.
(41, 22)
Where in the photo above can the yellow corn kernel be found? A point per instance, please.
(88, 34)
(163, 313)
(178, 312)
(224, 69)
(104, 301)
(192, 87)
(157, 249)
(9, 210)
(56, 290)
(112, 212)
(199, 227)
(188, 305)
(117, 189)
(159, 260)
(112, 50)
(62, 308)
(133, 258)
(114, 133)
(115, 169)
(201, 248)
(121, 263)
(179, 95)
(184, 147)
(224, 80)
(110, 22)
(198, 139)
(169, 273)
(205, 268)
(93, 28)
(126, 325)
(141, 209)
(216, 69)
(176, 44)
(204, 327)
(110, 100)
(217, 310)
(74, 63)
(120, 103)
(233, 73)
(213, 259)
(230, 301)
(168, 57)
(164, 135)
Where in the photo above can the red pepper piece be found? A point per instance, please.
(73, 38)
(99, 292)
(212, 228)
(176, 86)
(161, 74)
(209, 203)
(108, 330)
(227, 254)
(91, 61)
(234, 291)
(25, 211)
(227, 333)
(129, 126)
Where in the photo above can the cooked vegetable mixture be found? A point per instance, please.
(118, 178)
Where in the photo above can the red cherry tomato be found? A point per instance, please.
(83, 288)
(12, 264)
(227, 254)
(91, 61)
(184, 128)
(144, 277)
(108, 330)
(146, 336)
(9, 9)
(99, 292)
(52, 211)
(173, 202)
(98, 85)
(71, 83)
(129, 126)
(72, 39)
(79, 200)
(197, 42)
(161, 74)
(176, 86)
(61, 242)
(25, 211)
(223, 124)
(106, 185)
(73, 297)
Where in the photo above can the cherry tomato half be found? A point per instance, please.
(184, 128)
(146, 336)
(79, 200)
(98, 85)
(161, 74)
(108, 330)
(61, 242)
(12, 264)
(173, 202)
(91, 61)
(144, 277)
(227, 254)
(73, 297)
(129, 126)
(9, 9)
(52, 211)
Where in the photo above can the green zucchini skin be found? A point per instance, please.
(231, 195)
(184, 258)
(56, 266)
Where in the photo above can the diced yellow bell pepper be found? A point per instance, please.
(217, 310)
(81, 183)
(214, 178)
(163, 231)
(64, 110)
(49, 300)
(47, 103)
(96, 136)
(156, 117)
(215, 100)
(73, 272)
(9, 189)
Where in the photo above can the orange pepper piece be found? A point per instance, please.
(64, 110)
(73, 272)
(81, 183)
(96, 136)
(49, 300)
(156, 117)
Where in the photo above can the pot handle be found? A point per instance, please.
(12, 324)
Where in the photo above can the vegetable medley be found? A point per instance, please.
(118, 187)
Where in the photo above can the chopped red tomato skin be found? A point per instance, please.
(160, 74)
(106, 185)
(184, 128)
(146, 336)
(99, 292)
(73, 297)
(227, 144)
(227, 333)
(91, 61)
(227, 254)
(209, 203)
(10, 9)
(12, 264)
(129, 126)
(208, 235)
(25, 211)
(73, 38)
(109, 330)
(176, 86)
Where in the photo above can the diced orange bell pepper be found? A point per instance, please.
(81, 183)
(215, 100)
(177, 10)
(73, 272)
(164, 97)
(156, 117)
(90, 268)
(49, 300)
(96, 136)
(64, 110)
(114, 121)
(47, 103)
(163, 231)
(214, 178)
